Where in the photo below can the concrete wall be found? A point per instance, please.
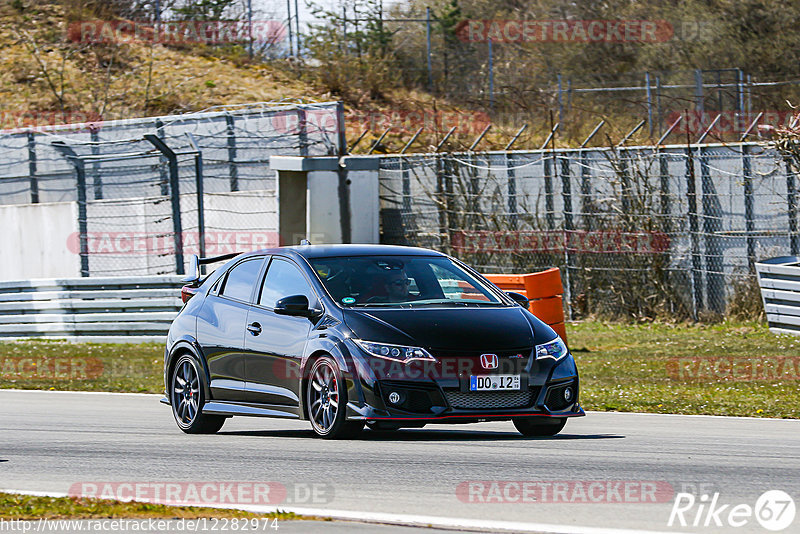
(341, 198)
(129, 237)
(39, 241)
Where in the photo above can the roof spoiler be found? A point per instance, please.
(193, 273)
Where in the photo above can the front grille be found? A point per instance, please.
(476, 400)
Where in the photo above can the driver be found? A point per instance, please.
(397, 285)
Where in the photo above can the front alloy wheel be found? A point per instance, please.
(187, 399)
(327, 401)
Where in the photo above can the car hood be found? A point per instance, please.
(448, 328)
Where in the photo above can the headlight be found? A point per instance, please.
(555, 349)
(400, 353)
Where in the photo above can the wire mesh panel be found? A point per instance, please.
(638, 231)
(136, 182)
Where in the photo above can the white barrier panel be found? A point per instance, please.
(779, 280)
(34, 240)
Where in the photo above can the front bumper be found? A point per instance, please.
(428, 401)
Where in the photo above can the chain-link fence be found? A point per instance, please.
(640, 232)
(135, 183)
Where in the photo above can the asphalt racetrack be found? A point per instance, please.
(606, 472)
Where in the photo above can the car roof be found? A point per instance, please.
(332, 251)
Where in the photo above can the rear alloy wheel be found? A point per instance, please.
(187, 398)
(326, 398)
(539, 426)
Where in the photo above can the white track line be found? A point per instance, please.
(452, 523)
(70, 392)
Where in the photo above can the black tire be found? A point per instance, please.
(326, 399)
(187, 397)
(539, 426)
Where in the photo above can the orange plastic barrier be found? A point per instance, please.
(543, 289)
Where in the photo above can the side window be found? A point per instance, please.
(241, 279)
(284, 279)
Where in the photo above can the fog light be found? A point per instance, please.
(567, 394)
(394, 397)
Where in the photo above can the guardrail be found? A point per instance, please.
(90, 309)
(779, 280)
(544, 290)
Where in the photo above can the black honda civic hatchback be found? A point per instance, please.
(353, 335)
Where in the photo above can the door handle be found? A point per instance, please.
(254, 328)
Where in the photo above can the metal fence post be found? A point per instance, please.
(302, 131)
(175, 198)
(80, 179)
(791, 201)
(83, 231)
(549, 208)
(691, 198)
(233, 170)
(512, 190)
(748, 207)
(341, 131)
(712, 225)
(201, 222)
(698, 93)
(406, 187)
(625, 183)
(97, 179)
(164, 182)
(198, 180)
(586, 191)
(449, 201)
(740, 99)
(666, 207)
(34, 181)
(566, 197)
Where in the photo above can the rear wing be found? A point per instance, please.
(192, 279)
(193, 274)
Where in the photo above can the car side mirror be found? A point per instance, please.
(519, 298)
(295, 305)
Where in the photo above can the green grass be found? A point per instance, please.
(28, 507)
(82, 366)
(623, 367)
(627, 368)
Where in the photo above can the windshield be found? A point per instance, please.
(403, 281)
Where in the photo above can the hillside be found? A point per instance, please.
(47, 78)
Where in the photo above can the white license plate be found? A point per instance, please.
(493, 382)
